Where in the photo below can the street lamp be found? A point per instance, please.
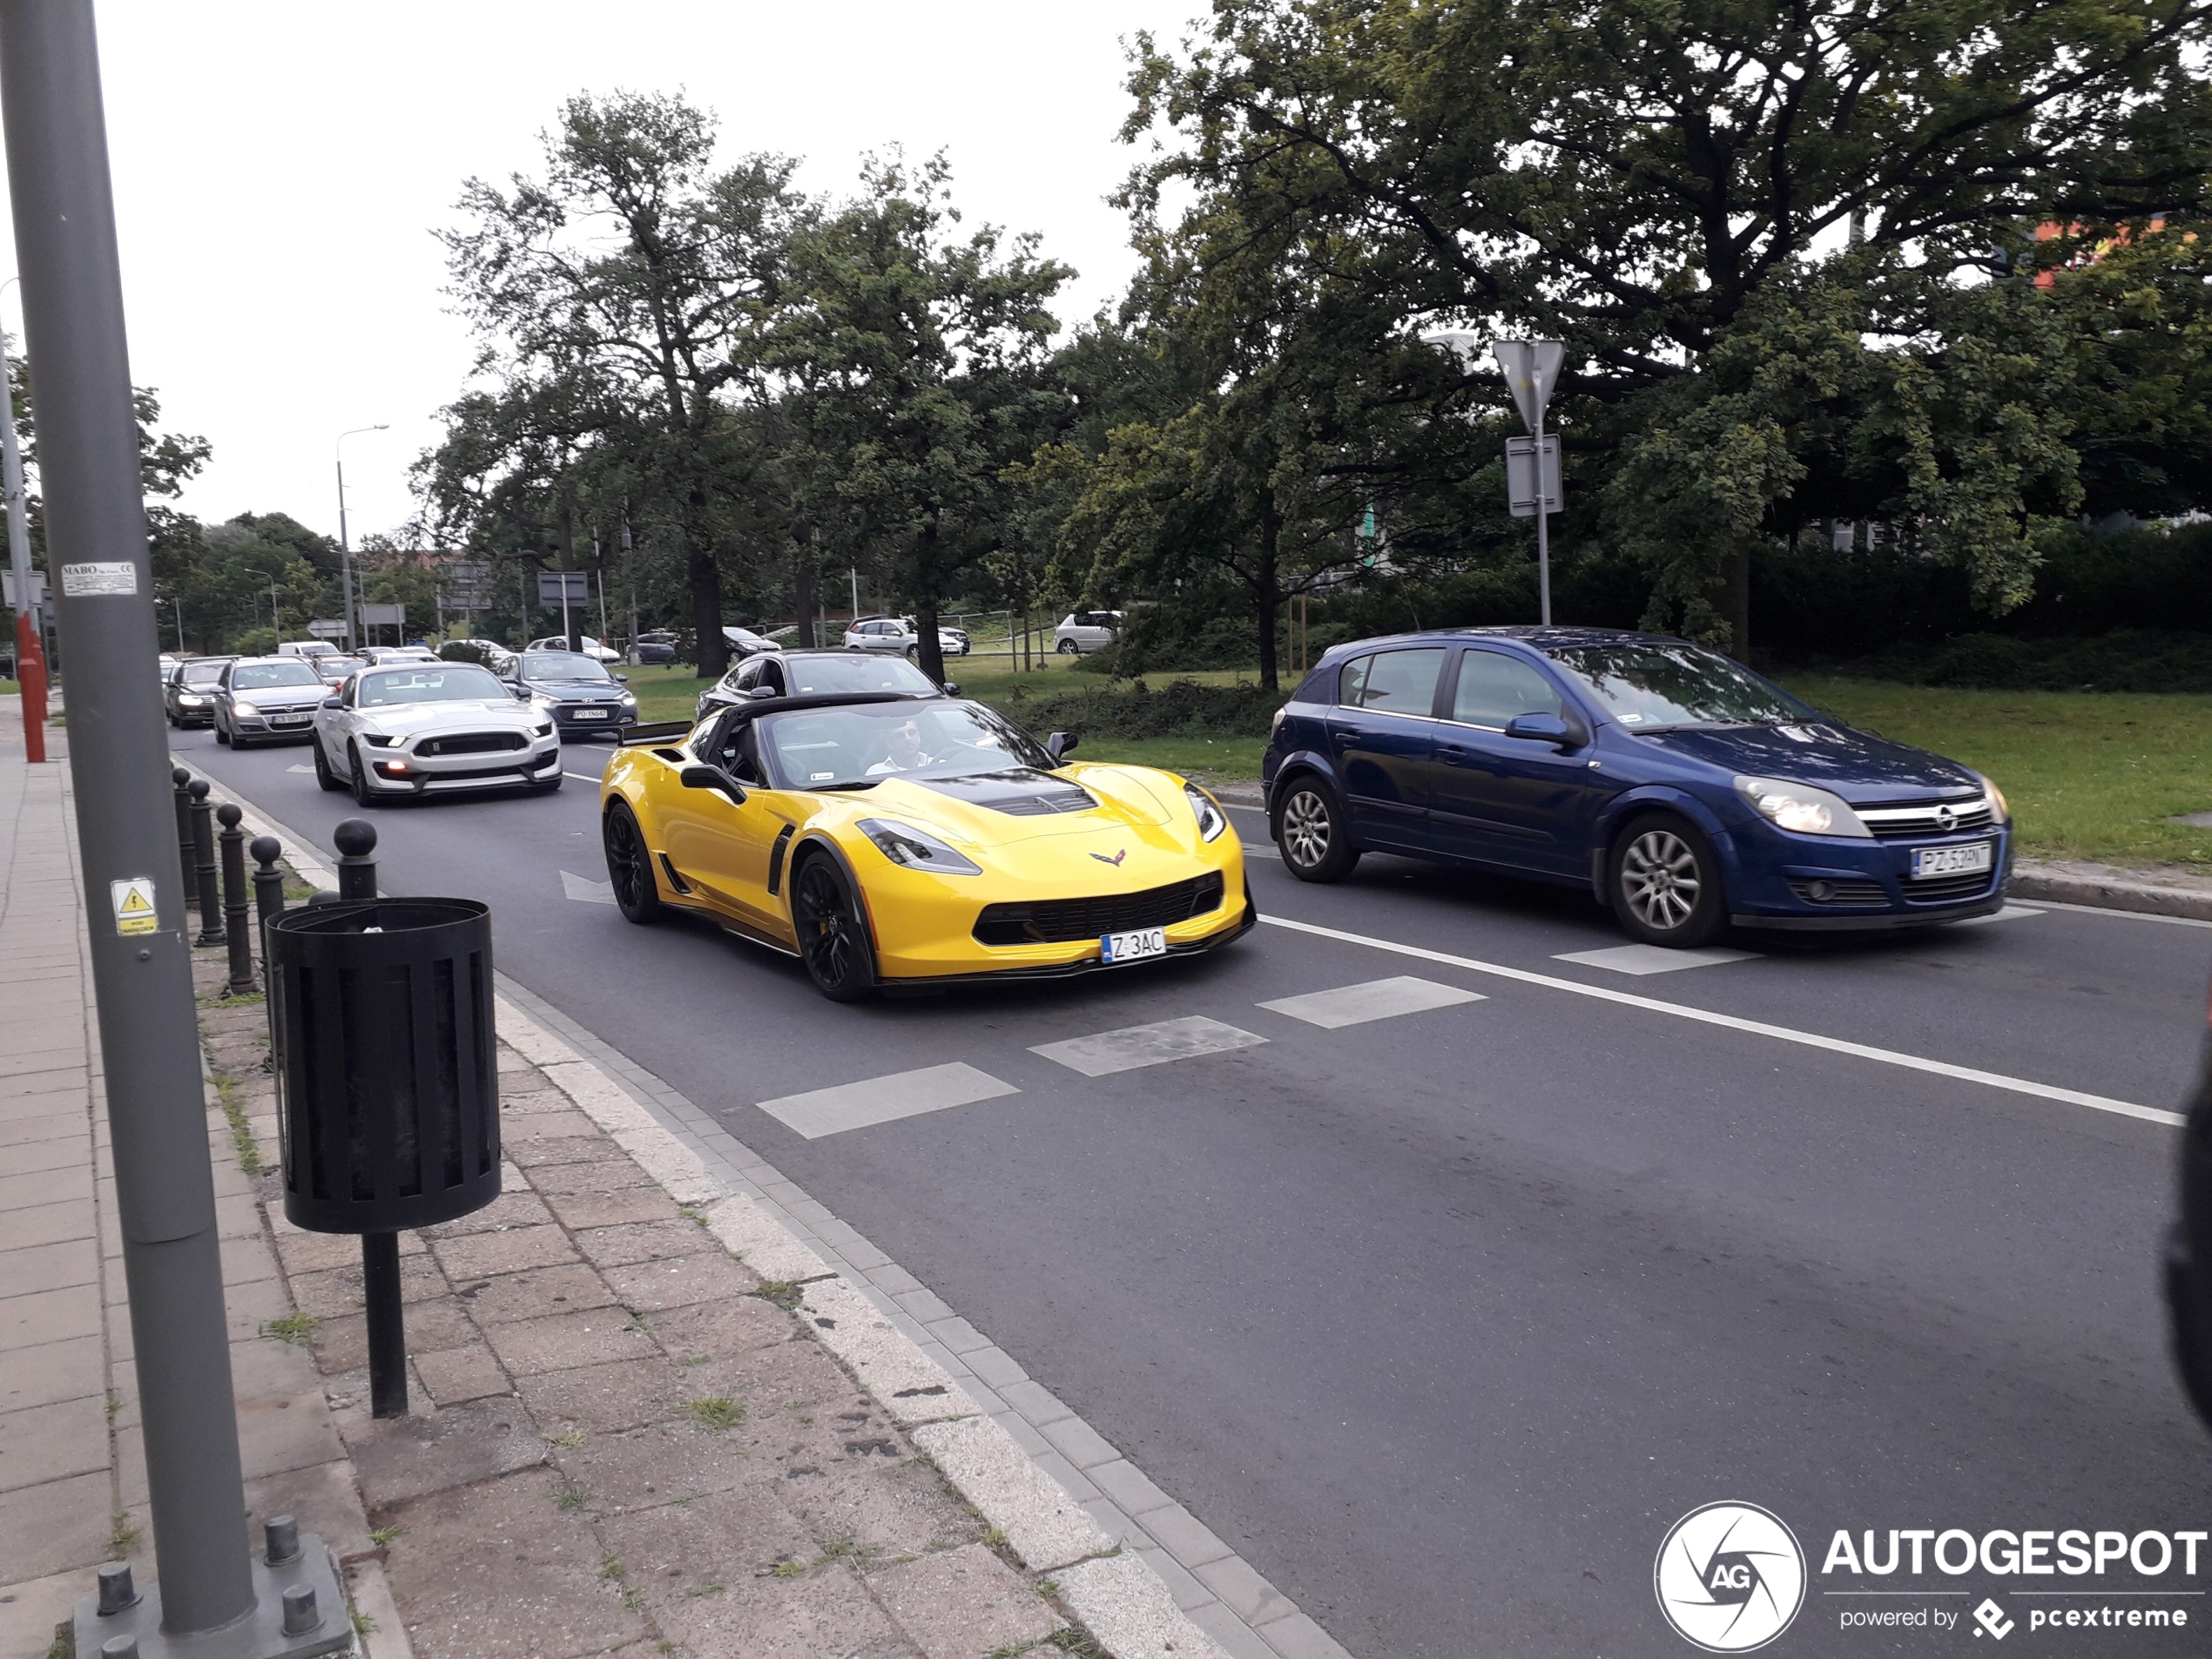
(1532, 463)
(345, 550)
(275, 626)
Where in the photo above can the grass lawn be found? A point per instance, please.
(2090, 775)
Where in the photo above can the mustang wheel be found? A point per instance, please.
(1666, 884)
(1311, 835)
(363, 795)
(630, 866)
(833, 933)
(324, 776)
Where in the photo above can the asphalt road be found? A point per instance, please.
(1443, 1319)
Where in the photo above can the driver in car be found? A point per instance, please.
(904, 753)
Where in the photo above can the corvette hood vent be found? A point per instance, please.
(1020, 792)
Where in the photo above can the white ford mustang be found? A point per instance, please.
(431, 728)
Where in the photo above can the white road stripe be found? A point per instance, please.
(1756, 1028)
(1105, 1052)
(2124, 915)
(584, 890)
(2007, 913)
(884, 1100)
(1642, 959)
(584, 777)
(1378, 999)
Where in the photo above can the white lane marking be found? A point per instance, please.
(2006, 914)
(1378, 999)
(883, 1100)
(1642, 959)
(2124, 915)
(1146, 1045)
(1239, 806)
(584, 890)
(305, 770)
(584, 777)
(1756, 1028)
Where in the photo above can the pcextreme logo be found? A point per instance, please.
(1729, 1577)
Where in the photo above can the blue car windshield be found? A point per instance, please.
(1650, 685)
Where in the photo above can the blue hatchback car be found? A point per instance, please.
(1677, 786)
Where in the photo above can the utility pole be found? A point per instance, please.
(96, 526)
(345, 549)
(31, 656)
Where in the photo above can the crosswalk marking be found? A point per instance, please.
(583, 890)
(1641, 960)
(2007, 913)
(1378, 999)
(884, 1100)
(1105, 1052)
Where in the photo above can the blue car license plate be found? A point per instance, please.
(1114, 949)
(1952, 861)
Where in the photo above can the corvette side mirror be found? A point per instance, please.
(1060, 745)
(710, 778)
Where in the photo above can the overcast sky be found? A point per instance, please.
(279, 169)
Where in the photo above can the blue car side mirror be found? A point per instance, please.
(1540, 728)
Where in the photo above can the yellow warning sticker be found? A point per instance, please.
(134, 912)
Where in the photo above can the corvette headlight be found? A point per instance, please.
(247, 709)
(915, 849)
(1802, 808)
(1999, 807)
(1211, 822)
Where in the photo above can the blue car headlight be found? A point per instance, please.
(1211, 822)
(914, 849)
(1801, 808)
(2000, 810)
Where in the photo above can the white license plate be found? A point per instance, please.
(1952, 861)
(587, 714)
(1116, 949)
(290, 719)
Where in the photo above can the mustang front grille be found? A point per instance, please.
(472, 743)
(1063, 921)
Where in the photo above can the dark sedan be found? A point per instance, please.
(1677, 786)
(267, 699)
(575, 692)
(803, 673)
(188, 692)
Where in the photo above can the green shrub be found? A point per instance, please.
(1179, 709)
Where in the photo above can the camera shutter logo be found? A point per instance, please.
(1729, 1577)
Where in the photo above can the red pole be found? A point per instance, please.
(30, 675)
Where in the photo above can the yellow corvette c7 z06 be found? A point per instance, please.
(888, 840)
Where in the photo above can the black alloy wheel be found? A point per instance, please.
(1666, 883)
(833, 934)
(328, 778)
(363, 795)
(1310, 833)
(629, 866)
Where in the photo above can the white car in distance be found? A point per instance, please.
(592, 648)
(1087, 631)
(413, 729)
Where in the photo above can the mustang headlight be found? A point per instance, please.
(378, 740)
(915, 849)
(1802, 808)
(1999, 807)
(247, 709)
(544, 728)
(1211, 822)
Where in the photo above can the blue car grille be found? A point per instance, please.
(1063, 921)
(1905, 819)
(1947, 888)
(1814, 891)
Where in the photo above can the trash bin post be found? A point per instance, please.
(386, 1325)
(235, 901)
(203, 846)
(182, 781)
(268, 883)
(355, 839)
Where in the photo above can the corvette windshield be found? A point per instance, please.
(842, 748)
(852, 671)
(563, 665)
(1647, 686)
(449, 683)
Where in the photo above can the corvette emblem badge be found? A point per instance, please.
(1116, 861)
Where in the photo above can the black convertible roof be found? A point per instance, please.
(737, 713)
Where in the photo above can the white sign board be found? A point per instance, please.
(8, 589)
(325, 629)
(384, 616)
(1521, 485)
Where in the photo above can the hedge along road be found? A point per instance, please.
(1443, 1317)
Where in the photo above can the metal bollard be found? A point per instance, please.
(268, 881)
(203, 846)
(355, 839)
(236, 901)
(182, 781)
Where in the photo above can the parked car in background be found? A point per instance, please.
(424, 728)
(592, 648)
(1677, 787)
(188, 695)
(900, 636)
(809, 673)
(576, 692)
(743, 642)
(267, 699)
(657, 645)
(378, 655)
(1087, 631)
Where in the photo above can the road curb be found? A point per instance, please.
(2031, 881)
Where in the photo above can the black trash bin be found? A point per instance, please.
(388, 1083)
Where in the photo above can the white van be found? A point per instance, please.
(307, 648)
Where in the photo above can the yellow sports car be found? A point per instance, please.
(891, 841)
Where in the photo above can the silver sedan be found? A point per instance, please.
(433, 728)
